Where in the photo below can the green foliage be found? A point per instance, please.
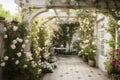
(4, 13)
(64, 34)
(109, 64)
(41, 43)
(16, 62)
(86, 31)
(40, 37)
(91, 51)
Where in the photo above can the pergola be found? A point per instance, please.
(64, 9)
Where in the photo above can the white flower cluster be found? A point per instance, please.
(94, 50)
(25, 66)
(13, 46)
(93, 43)
(14, 41)
(19, 54)
(26, 41)
(4, 29)
(118, 22)
(86, 41)
(82, 46)
(34, 64)
(23, 46)
(5, 36)
(6, 58)
(28, 56)
(46, 65)
(39, 71)
(39, 49)
(17, 62)
(19, 39)
(15, 28)
(2, 64)
(47, 42)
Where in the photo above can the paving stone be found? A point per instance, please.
(73, 68)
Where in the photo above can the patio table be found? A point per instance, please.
(60, 50)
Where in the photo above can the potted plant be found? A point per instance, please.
(91, 55)
(85, 58)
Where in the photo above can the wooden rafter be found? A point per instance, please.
(56, 13)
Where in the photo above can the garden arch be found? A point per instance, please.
(32, 8)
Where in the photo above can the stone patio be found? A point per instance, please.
(73, 68)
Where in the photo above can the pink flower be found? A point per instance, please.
(117, 49)
(117, 54)
(114, 61)
(117, 65)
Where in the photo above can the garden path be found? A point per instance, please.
(73, 68)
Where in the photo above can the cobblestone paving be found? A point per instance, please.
(73, 68)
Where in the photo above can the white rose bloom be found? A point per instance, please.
(118, 22)
(5, 29)
(78, 39)
(39, 71)
(28, 55)
(17, 62)
(86, 41)
(94, 51)
(17, 38)
(2, 64)
(93, 42)
(5, 36)
(39, 49)
(34, 65)
(31, 58)
(14, 41)
(13, 46)
(23, 45)
(33, 62)
(26, 41)
(6, 58)
(15, 28)
(20, 40)
(25, 66)
(19, 54)
(28, 36)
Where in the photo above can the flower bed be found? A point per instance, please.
(113, 65)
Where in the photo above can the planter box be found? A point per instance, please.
(91, 63)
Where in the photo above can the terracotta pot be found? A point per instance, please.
(91, 63)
